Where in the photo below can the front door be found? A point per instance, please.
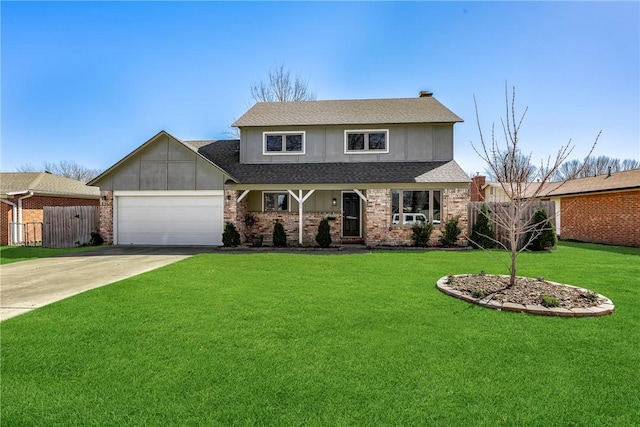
(350, 215)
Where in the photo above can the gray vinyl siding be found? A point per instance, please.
(165, 164)
(325, 144)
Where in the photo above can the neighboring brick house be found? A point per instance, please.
(600, 209)
(23, 196)
(366, 165)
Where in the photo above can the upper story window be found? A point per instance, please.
(366, 141)
(283, 142)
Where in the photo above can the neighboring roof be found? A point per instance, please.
(348, 112)
(225, 154)
(44, 183)
(616, 181)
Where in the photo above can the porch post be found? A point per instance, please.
(300, 201)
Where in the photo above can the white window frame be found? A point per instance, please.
(285, 193)
(366, 150)
(284, 143)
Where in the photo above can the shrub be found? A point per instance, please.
(482, 233)
(477, 293)
(279, 236)
(421, 233)
(96, 239)
(230, 236)
(451, 232)
(549, 301)
(543, 235)
(324, 234)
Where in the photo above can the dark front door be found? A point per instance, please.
(350, 215)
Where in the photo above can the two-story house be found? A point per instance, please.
(366, 165)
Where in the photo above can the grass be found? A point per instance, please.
(9, 254)
(297, 339)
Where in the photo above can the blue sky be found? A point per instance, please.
(90, 82)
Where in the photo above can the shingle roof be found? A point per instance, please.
(44, 183)
(348, 112)
(225, 154)
(616, 181)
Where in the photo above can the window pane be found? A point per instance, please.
(355, 141)
(377, 141)
(415, 201)
(269, 202)
(436, 205)
(274, 142)
(395, 206)
(283, 204)
(294, 142)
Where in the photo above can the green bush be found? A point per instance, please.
(451, 232)
(230, 236)
(482, 233)
(421, 233)
(279, 236)
(324, 234)
(549, 301)
(96, 239)
(543, 235)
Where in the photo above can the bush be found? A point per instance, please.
(543, 235)
(482, 233)
(549, 301)
(451, 232)
(421, 233)
(230, 236)
(279, 236)
(324, 234)
(96, 239)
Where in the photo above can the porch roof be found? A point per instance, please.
(225, 154)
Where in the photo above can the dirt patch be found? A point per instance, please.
(526, 291)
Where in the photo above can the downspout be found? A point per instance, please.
(14, 220)
(20, 199)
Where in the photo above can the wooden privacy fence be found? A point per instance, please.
(498, 208)
(68, 226)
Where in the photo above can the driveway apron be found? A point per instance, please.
(27, 285)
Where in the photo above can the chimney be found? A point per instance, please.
(477, 182)
(425, 94)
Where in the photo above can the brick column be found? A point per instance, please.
(106, 216)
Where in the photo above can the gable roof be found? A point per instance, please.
(425, 109)
(225, 153)
(150, 141)
(624, 180)
(44, 183)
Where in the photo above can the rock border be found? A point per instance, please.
(604, 309)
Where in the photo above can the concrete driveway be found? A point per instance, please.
(27, 285)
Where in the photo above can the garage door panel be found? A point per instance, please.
(170, 220)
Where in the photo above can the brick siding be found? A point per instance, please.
(106, 216)
(609, 218)
(32, 212)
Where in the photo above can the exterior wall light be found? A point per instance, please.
(334, 202)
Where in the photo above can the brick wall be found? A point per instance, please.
(106, 216)
(378, 229)
(32, 212)
(476, 193)
(265, 221)
(609, 218)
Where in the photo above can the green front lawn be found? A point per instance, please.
(299, 339)
(9, 254)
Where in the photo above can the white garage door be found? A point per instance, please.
(177, 219)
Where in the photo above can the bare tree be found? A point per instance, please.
(281, 87)
(65, 168)
(594, 166)
(522, 183)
